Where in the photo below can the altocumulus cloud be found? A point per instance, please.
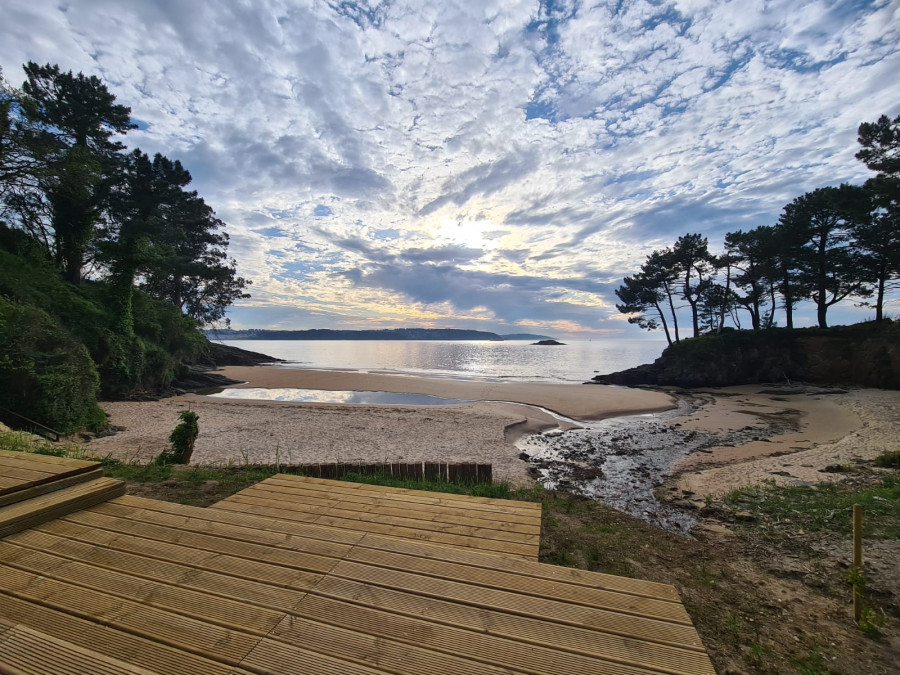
(485, 164)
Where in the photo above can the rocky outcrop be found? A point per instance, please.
(196, 375)
(863, 354)
(549, 343)
(220, 355)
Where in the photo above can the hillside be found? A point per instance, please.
(60, 348)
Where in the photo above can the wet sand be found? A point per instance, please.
(580, 402)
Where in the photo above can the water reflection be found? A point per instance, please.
(323, 396)
(575, 362)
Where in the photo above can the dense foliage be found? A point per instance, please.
(108, 262)
(829, 245)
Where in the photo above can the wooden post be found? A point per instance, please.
(857, 562)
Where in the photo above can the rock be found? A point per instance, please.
(549, 343)
(833, 468)
(744, 516)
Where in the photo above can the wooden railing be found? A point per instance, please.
(22, 423)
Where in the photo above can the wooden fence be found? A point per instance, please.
(454, 473)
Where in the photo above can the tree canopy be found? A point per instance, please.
(830, 245)
(67, 181)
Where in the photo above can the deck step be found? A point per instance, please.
(24, 475)
(44, 507)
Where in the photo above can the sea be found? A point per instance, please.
(575, 361)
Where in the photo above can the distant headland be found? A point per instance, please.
(384, 334)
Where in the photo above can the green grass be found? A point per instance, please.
(889, 460)
(826, 506)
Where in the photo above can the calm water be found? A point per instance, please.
(575, 362)
(321, 396)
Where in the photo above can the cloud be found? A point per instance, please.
(467, 163)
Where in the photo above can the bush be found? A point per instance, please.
(182, 439)
(45, 373)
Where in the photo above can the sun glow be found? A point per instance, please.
(467, 232)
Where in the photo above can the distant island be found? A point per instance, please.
(525, 336)
(387, 334)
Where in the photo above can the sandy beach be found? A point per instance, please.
(825, 428)
(579, 402)
(817, 427)
(239, 431)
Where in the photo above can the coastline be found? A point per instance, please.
(252, 431)
(576, 401)
(754, 433)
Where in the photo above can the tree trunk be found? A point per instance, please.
(879, 299)
(662, 317)
(74, 259)
(788, 301)
(672, 308)
(822, 310)
(692, 302)
(821, 286)
(725, 299)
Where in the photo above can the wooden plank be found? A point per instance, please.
(154, 549)
(244, 590)
(57, 484)
(384, 654)
(108, 641)
(22, 515)
(464, 529)
(403, 518)
(615, 623)
(294, 558)
(527, 630)
(28, 651)
(474, 646)
(246, 531)
(504, 547)
(26, 474)
(570, 575)
(293, 499)
(242, 520)
(197, 605)
(183, 633)
(541, 588)
(63, 463)
(408, 499)
(278, 658)
(317, 492)
(485, 502)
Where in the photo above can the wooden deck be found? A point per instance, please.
(24, 475)
(135, 585)
(491, 525)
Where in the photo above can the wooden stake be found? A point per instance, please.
(857, 562)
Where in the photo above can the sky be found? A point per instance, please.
(483, 164)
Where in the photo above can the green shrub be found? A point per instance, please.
(889, 460)
(182, 439)
(45, 373)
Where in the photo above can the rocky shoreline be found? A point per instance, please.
(667, 468)
(624, 461)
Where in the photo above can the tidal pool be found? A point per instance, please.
(325, 396)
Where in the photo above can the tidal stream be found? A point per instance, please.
(623, 460)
